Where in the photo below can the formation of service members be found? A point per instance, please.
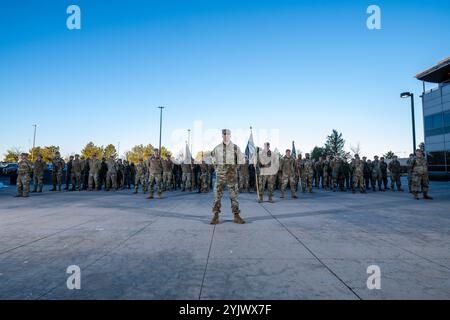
(267, 170)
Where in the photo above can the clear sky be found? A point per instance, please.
(296, 69)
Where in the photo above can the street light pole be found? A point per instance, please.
(160, 127)
(413, 123)
(34, 142)
(411, 95)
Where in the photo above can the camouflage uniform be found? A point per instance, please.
(94, 169)
(58, 167)
(111, 174)
(38, 175)
(186, 168)
(76, 173)
(337, 170)
(244, 176)
(396, 172)
(226, 159)
(358, 175)
(307, 166)
(139, 176)
(420, 177)
(155, 170)
(167, 174)
(326, 174)
(204, 178)
(376, 175)
(409, 164)
(319, 173)
(287, 166)
(267, 174)
(383, 171)
(24, 169)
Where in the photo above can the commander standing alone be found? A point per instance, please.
(226, 158)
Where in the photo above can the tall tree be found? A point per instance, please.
(317, 152)
(47, 153)
(389, 155)
(12, 154)
(334, 144)
(91, 148)
(139, 151)
(110, 150)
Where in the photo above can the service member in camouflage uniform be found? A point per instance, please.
(319, 172)
(287, 166)
(94, 170)
(265, 160)
(204, 177)
(337, 173)
(186, 169)
(326, 173)
(358, 174)
(167, 173)
(38, 173)
(420, 176)
(226, 158)
(76, 173)
(57, 172)
(367, 173)
(24, 169)
(139, 175)
(155, 171)
(409, 164)
(244, 177)
(383, 171)
(396, 172)
(307, 173)
(111, 174)
(376, 174)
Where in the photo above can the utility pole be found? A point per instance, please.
(160, 127)
(34, 142)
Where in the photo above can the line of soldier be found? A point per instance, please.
(330, 174)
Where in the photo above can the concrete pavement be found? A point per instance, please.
(316, 247)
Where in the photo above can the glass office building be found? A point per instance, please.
(436, 117)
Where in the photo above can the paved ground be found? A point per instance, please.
(317, 247)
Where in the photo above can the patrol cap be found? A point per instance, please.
(57, 152)
(77, 155)
(226, 131)
(24, 154)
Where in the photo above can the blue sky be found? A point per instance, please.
(299, 68)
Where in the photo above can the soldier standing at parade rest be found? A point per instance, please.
(288, 174)
(68, 173)
(155, 171)
(396, 172)
(38, 173)
(409, 163)
(265, 162)
(226, 158)
(94, 169)
(419, 168)
(76, 173)
(58, 167)
(383, 171)
(24, 169)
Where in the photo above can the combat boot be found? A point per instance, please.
(270, 199)
(426, 196)
(260, 199)
(34, 190)
(59, 188)
(54, 188)
(215, 219)
(40, 190)
(150, 196)
(416, 195)
(159, 195)
(18, 196)
(237, 219)
(293, 195)
(282, 195)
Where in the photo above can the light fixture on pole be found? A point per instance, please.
(404, 95)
